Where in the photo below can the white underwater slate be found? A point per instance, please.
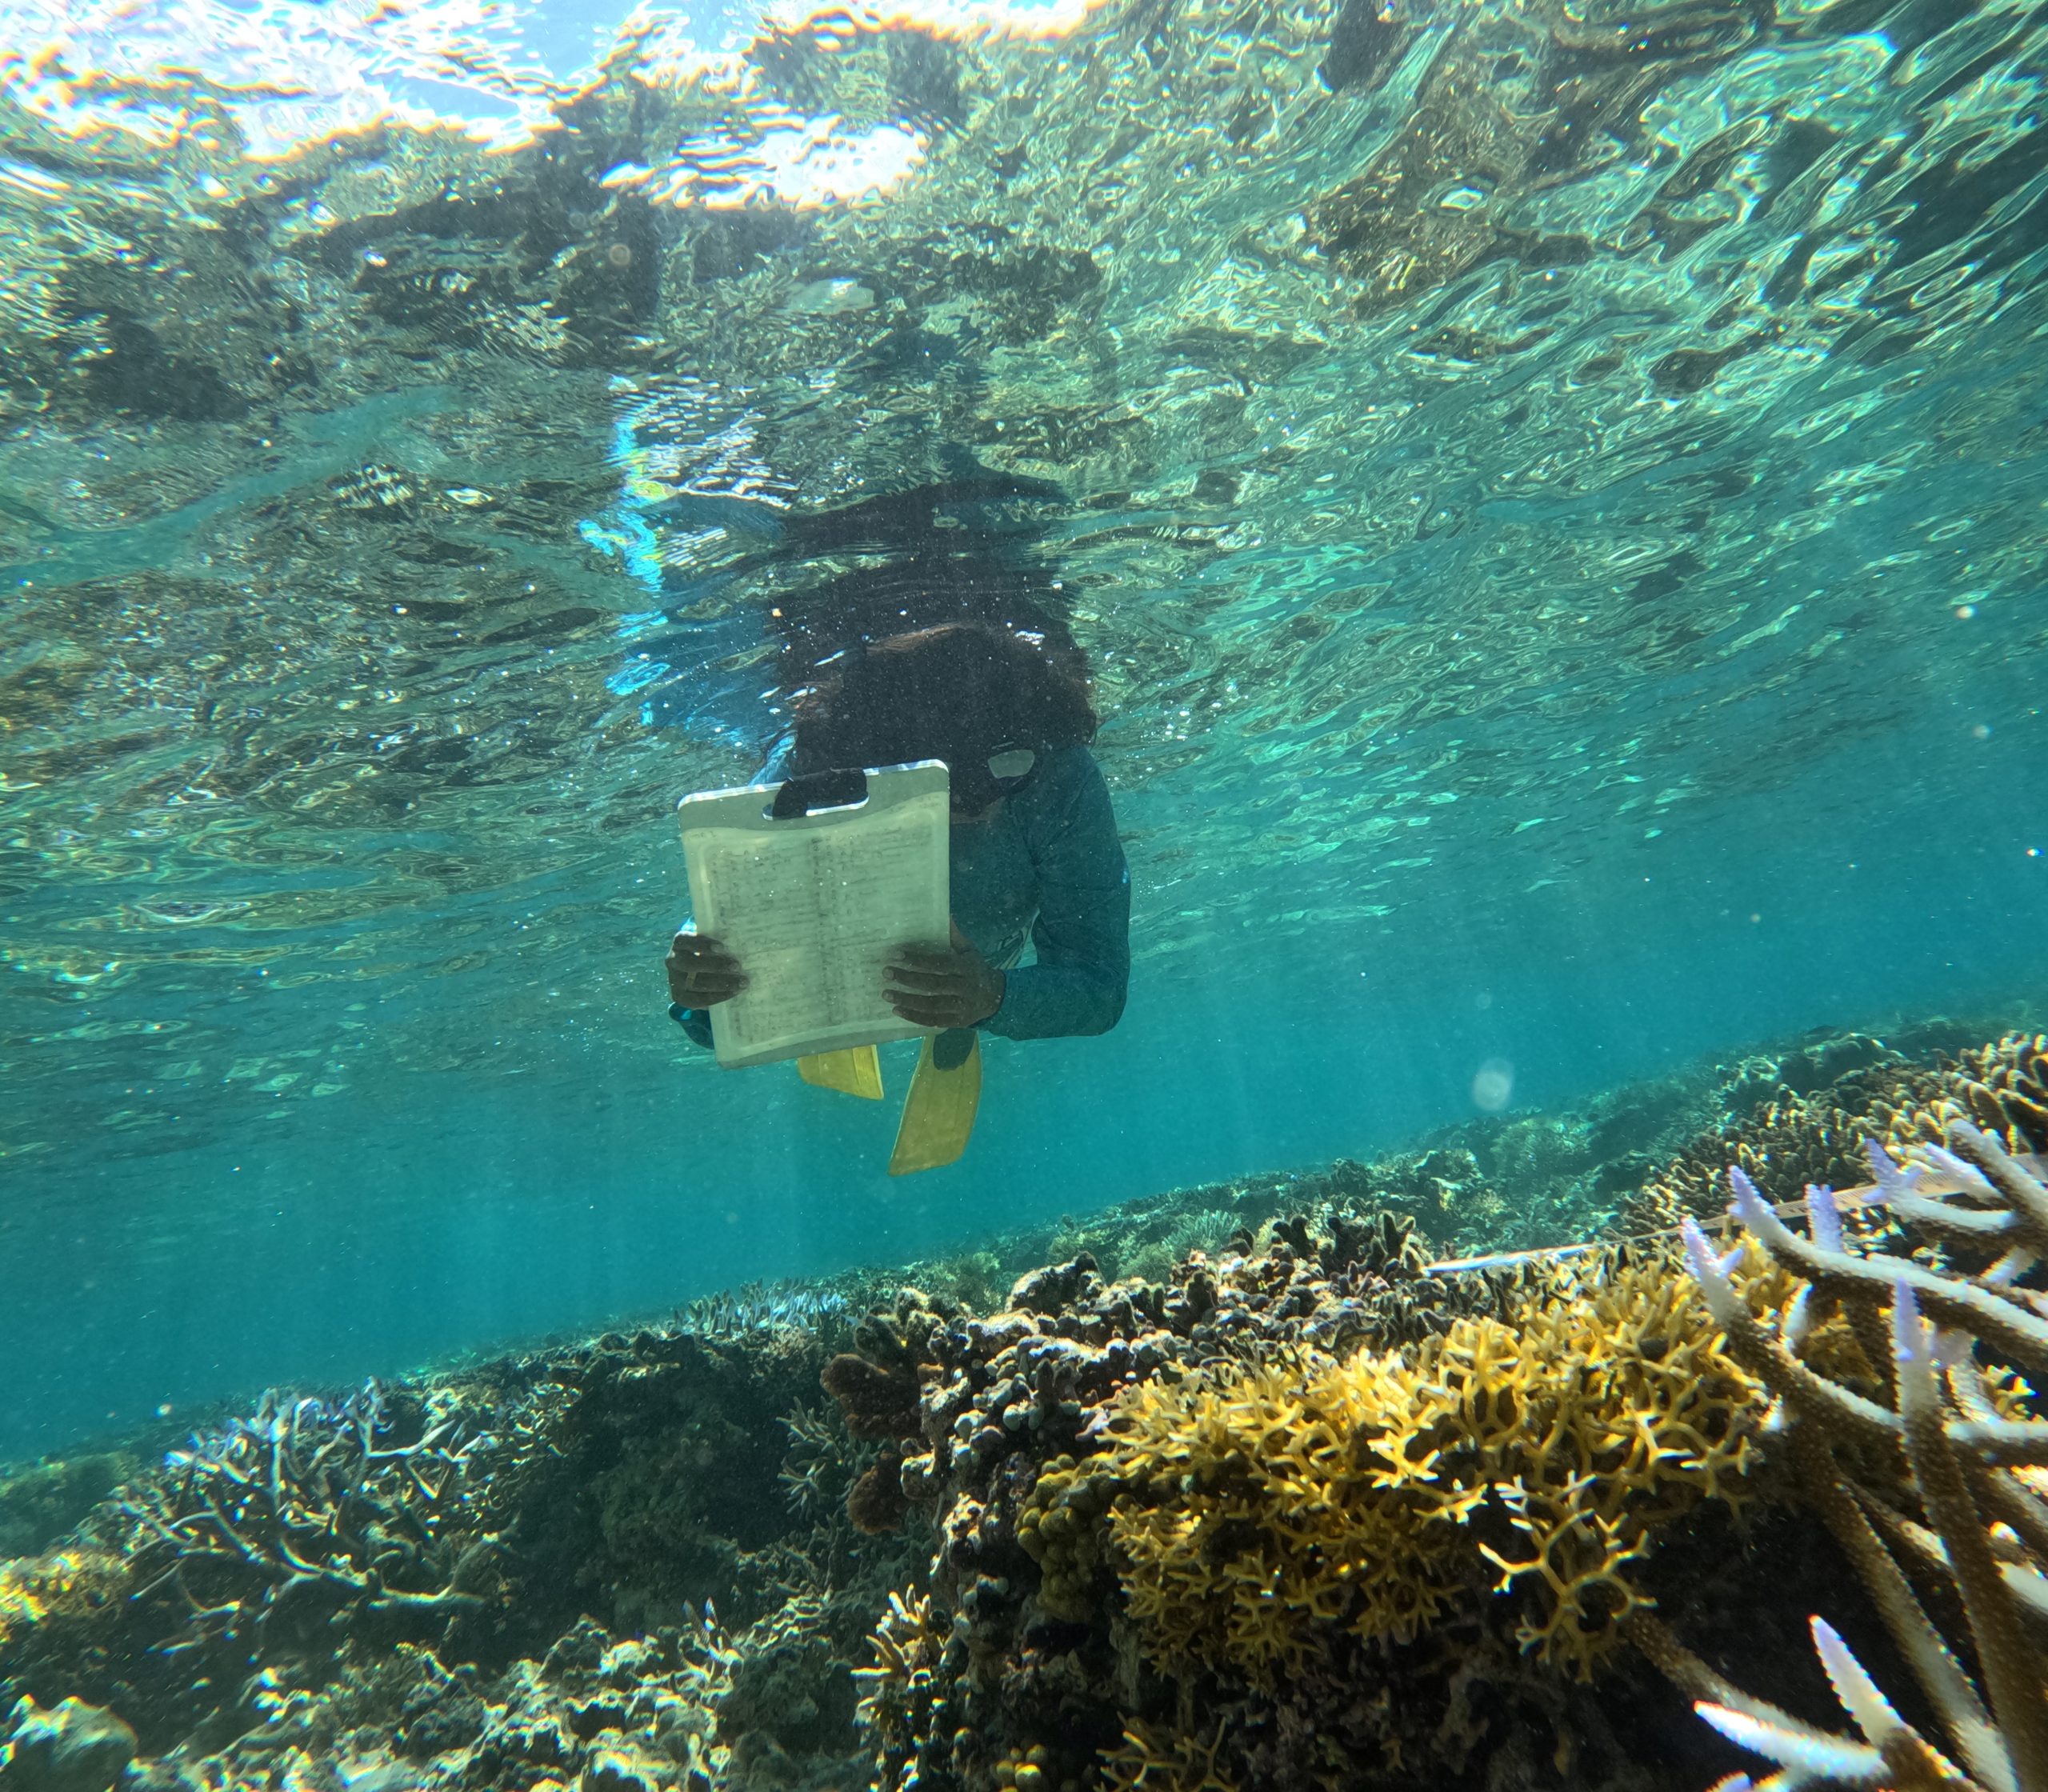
(813, 906)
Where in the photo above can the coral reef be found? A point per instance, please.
(1166, 1762)
(610, 1715)
(75, 1748)
(1802, 1130)
(64, 1591)
(1374, 1542)
(1306, 1509)
(38, 1504)
(902, 1695)
(308, 1508)
(1634, 1159)
(2001, 1088)
(1271, 1491)
(503, 1577)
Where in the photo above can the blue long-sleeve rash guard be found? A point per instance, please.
(1048, 869)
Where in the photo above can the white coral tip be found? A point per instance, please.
(1798, 1317)
(1891, 1176)
(1913, 1355)
(1865, 1705)
(2009, 1268)
(1753, 1210)
(1711, 1273)
(1909, 1332)
(1805, 1751)
(1824, 1216)
(1959, 1170)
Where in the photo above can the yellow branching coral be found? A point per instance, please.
(1265, 1509)
(1151, 1760)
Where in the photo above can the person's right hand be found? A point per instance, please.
(702, 972)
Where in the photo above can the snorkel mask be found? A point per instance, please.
(1012, 766)
(981, 779)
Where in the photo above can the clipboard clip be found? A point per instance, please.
(818, 789)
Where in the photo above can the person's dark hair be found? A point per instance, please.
(956, 692)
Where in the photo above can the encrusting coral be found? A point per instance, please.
(1965, 1501)
(45, 1590)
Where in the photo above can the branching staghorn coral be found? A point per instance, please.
(1264, 1511)
(817, 1459)
(758, 1307)
(1148, 1760)
(1964, 1447)
(1792, 1139)
(2001, 1088)
(311, 1499)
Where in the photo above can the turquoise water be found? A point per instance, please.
(1553, 496)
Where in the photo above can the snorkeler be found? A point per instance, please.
(1034, 851)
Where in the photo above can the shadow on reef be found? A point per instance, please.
(1233, 1493)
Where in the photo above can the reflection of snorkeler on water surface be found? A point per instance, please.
(1035, 857)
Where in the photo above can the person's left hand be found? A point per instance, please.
(942, 987)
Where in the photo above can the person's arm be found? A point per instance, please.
(1082, 935)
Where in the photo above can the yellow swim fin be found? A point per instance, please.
(938, 1114)
(855, 1071)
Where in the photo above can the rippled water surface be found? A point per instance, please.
(1553, 492)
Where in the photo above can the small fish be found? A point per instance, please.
(373, 487)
